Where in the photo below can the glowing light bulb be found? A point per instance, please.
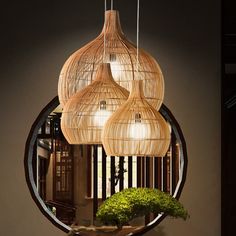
(138, 130)
(102, 115)
(115, 66)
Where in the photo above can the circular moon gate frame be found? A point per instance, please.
(29, 147)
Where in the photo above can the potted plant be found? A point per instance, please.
(124, 206)
(130, 203)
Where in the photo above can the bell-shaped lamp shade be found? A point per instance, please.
(85, 114)
(80, 68)
(136, 128)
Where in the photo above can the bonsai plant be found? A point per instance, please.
(130, 203)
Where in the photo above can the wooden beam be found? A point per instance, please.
(143, 171)
(130, 171)
(147, 183)
(121, 172)
(104, 174)
(139, 172)
(157, 173)
(113, 169)
(95, 180)
(89, 171)
(164, 169)
(147, 177)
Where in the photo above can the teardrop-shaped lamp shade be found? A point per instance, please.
(136, 128)
(85, 114)
(80, 68)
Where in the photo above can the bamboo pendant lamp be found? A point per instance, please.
(136, 128)
(86, 112)
(80, 68)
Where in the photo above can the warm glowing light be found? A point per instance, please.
(86, 112)
(115, 69)
(80, 68)
(136, 128)
(138, 131)
(101, 117)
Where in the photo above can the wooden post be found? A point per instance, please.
(143, 171)
(139, 172)
(95, 181)
(89, 172)
(147, 172)
(164, 169)
(147, 184)
(112, 175)
(157, 173)
(121, 173)
(104, 174)
(130, 171)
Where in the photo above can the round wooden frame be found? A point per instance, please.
(29, 146)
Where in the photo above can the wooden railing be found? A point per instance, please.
(151, 172)
(64, 212)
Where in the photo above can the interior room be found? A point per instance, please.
(48, 184)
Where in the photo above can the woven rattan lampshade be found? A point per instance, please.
(86, 112)
(136, 128)
(80, 68)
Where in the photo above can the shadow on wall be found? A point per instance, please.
(159, 231)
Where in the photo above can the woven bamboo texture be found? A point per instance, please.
(79, 69)
(136, 128)
(85, 113)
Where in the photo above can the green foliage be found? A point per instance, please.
(130, 203)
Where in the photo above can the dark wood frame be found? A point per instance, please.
(55, 164)
(29, 148)
(228, 115)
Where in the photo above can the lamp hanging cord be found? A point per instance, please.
(104, 47)
(111, 4)
(138, 17)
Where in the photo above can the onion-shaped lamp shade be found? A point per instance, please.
(136, 128)
(86, 112)
(80, 68)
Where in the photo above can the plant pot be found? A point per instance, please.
(103, 231)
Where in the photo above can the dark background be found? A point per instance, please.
(228, 185)
(26, 25)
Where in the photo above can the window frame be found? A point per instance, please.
(29, 149)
